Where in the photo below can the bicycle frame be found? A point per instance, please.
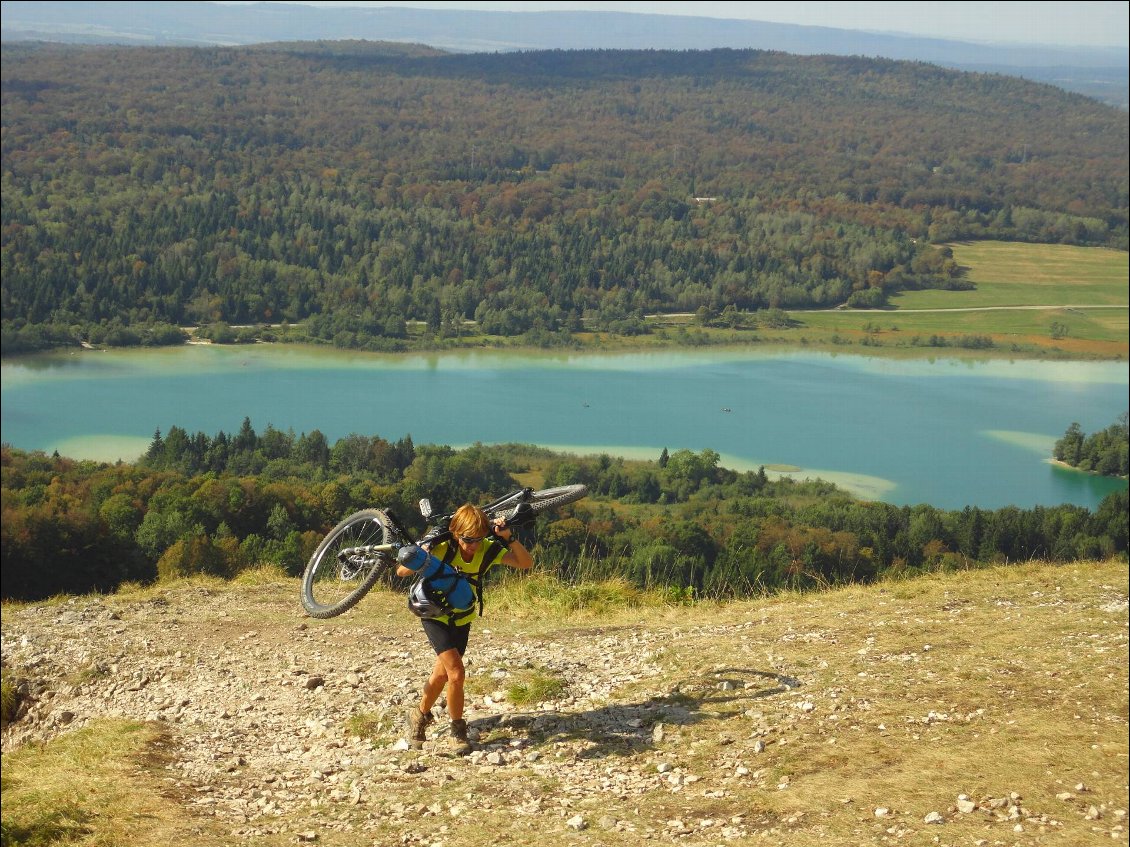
(437, 534)
(364, 545)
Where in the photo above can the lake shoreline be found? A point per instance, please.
(628, 347)
(1059, 463)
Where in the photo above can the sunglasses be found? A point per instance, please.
(471, 539)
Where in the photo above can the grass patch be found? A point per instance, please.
(90, 787)
(265, 574)
(371, 726)
(544, 595)
(88, 673)
(143, 591)
(534, 685)
(9, 700)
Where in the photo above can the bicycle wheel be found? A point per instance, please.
(341, 570)
(550, 498)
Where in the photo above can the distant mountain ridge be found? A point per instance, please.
(1096, 72)
(194, 21)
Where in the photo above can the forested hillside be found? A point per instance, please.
(355, 187)
(226, 503)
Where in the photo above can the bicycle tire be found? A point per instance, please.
(352, 580)
(550, 498)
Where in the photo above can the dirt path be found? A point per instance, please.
(900, 311)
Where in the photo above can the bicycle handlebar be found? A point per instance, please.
(439, 531)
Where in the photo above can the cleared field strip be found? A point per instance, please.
(1007, 274)
(1097, 324)
(1073, 298)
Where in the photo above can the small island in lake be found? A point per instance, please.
(1106, 453)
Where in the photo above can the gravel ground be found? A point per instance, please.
(678, 728)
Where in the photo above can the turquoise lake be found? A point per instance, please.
(949, 432)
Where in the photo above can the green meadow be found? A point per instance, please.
(1013, 274)
(1028, 297)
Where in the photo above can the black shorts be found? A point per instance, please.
(447, 636)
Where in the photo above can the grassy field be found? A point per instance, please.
(986, 707)
(1011, 280)
(1032, 300)
(1010, 274)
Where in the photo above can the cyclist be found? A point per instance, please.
(479, 545)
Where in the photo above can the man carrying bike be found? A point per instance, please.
(475, 546)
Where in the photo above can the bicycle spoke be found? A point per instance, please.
(345, 566)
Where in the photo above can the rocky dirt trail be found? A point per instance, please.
(695, 726)
(259, 708)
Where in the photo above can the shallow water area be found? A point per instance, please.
(950, 432)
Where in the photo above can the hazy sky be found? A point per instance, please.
(1069, 23)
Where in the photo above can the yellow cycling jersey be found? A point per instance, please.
(489, 554)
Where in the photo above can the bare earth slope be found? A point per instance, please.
(977, 708)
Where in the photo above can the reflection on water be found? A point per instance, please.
(1083, 488)
(103, 448)
(948, 432)
(1034, 442)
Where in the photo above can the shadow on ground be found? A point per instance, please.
(629, 728)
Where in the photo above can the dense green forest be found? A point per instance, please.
(357, 188)
(1106, 452)
(221, 504)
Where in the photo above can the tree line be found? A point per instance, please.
(353, 189)
(1106, 452)
(224, 503)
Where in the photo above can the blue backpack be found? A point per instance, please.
(440, 589)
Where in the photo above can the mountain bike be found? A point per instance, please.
(362, 548)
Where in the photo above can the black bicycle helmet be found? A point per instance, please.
(421, 604)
